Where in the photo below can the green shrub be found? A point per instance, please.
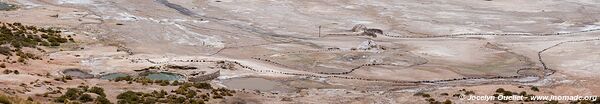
(2, 65)
(5, 100)
(97, 90)
(447, 102)
(125, 78)
(507, 93)
(86, 98)
(426, 95)
(523, 93)
(190, 94)
(129, 97)
(60, 99)
(72, 93)
(456, 95)
(16, 36)
(164, 83)
(101, 100)
(533, 88)
(83, 88)
(202, 85)
(176, 83)
(500, 90)
(469, 92)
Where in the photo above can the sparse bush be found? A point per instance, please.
(83, 88)
(60, 99)
(190, 94)
(507, 93)
(176, 83)
(500, 90)
(430, 100)
(126, 78)
(97, 90)
(129, 97)
(181, 90)
(16, 36)
(533, 88)
(86, 98)
(72, 93)
(164, 83)
(202, 85)
(444, 94)
(7, 71)
(447, 102)
(101, 100)
(469, 92)
(456, 95)
(5, 100)
(426, 95)
(68, 77)
(523, 93)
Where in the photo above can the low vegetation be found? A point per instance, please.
(504, 92)
(5, 99)
(431, 100)
(64, 78)
(10, 71)
(16, 36)
(533, 88)
(81, 94)
(187, 93)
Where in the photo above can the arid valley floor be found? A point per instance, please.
(298, 51)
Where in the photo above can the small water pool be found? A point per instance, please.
(77, 73)
(113, 76)
(163, 76)
(6, 6)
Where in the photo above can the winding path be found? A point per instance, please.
(545, 66)
(547, 71)
(257, 30)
